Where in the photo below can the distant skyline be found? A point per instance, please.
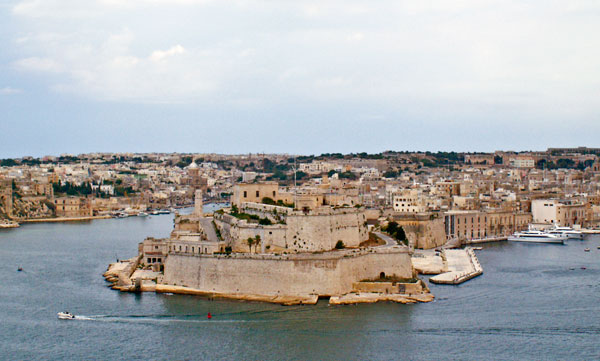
(298, 77)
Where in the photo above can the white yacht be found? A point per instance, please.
(537, 237)
(569, 232)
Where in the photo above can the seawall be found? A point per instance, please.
(296, 275)
(64, 219)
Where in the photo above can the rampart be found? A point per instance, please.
(318, 230)
(324, 274)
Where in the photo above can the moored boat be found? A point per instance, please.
(537, 237)
(568, 232)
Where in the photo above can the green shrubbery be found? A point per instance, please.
(397, 232)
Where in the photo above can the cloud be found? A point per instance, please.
(37, 64)
(357, 36)
(160, 55)
(534, 55)
(10, 91)
(92, 8)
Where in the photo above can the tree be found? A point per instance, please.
(300, 175)
(390, 174)
(348, 175)
(7, 162)
(268, 200)
(256, 242)
(397, 232)
(265, 221)
(250, 242)
(565, 163)
(340, 245)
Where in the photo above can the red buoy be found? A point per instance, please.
(209, 316)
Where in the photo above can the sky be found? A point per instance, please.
(296, 76)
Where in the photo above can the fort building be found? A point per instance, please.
(272, 253)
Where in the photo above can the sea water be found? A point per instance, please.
(533, 302)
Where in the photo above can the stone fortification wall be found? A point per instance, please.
(427, 235)
(235, 232)
(186, 223)
(423, 231)
(266, 209)
(317, 231)
(320, 232)
(330, 273)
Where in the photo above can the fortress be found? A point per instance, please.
(272, 253)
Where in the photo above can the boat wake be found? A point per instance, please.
(158, 319)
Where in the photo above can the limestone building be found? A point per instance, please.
(561, 213)
(73, 207)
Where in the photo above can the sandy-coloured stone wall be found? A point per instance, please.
(312, 232)
(320, 232)
(330, 273)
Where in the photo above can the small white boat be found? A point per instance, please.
(65, 315)
(537, 237)
(142, 214)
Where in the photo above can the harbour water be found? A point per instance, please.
(533, 302)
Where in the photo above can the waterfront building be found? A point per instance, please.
(561, 213)
(73, 207)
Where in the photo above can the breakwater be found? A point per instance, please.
(463, 265)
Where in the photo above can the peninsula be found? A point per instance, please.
(273, 246)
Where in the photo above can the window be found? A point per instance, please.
(273, 193)
(245, 194)
(149, 260)
(159, 260)
(257, 193)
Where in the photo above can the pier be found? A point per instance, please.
(463, 265)
(486, 240)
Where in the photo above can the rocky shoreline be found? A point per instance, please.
(8, 224)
